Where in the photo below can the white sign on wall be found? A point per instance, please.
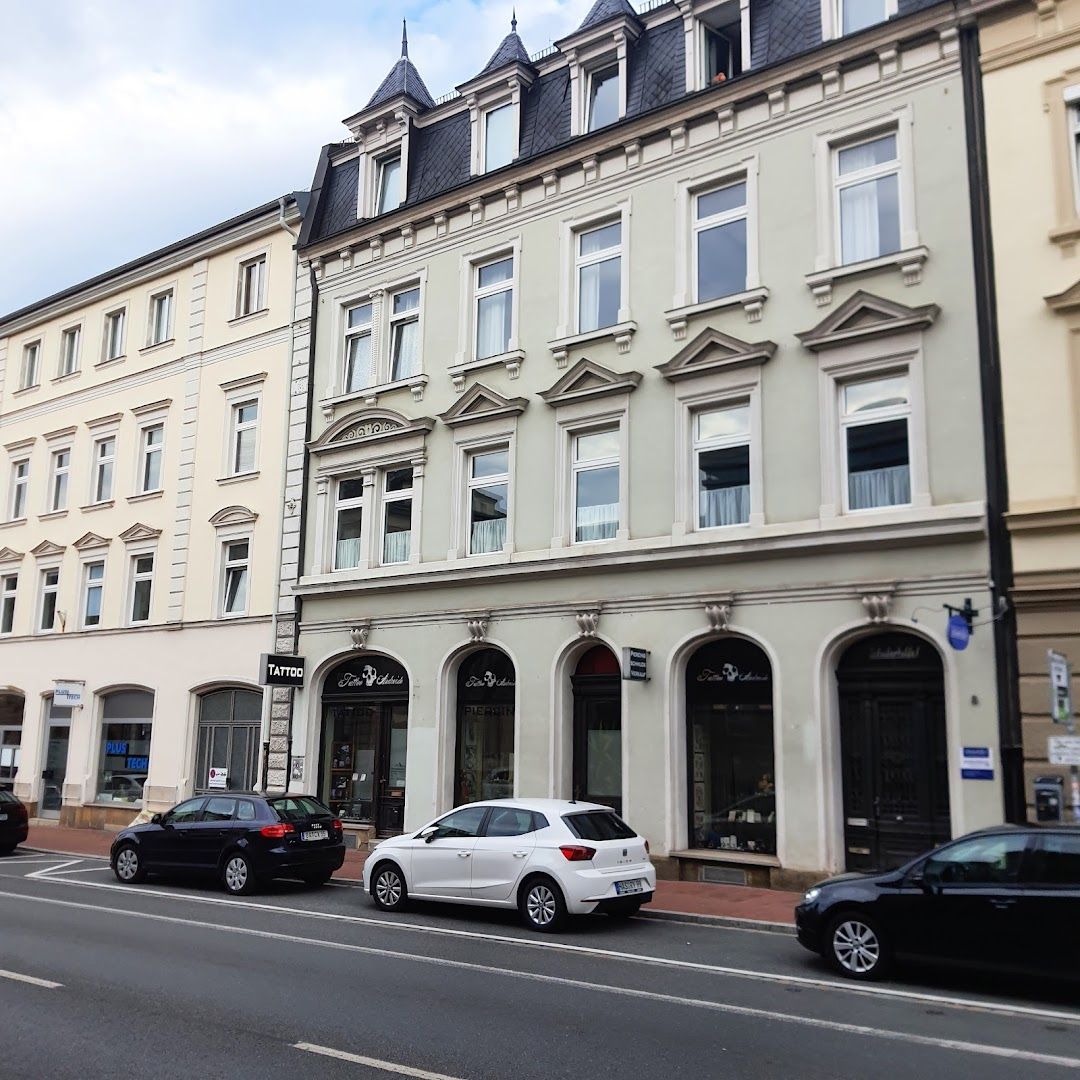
(219, 779)
(1063, 749)
(68, 693)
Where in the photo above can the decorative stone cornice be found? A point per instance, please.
(138, 532)
(47, 549)
(588, 379)
(233, 515)
(479, 403)
(713, 351)
(369, 426)
(91, 540)
(10, 555)
(864, 316)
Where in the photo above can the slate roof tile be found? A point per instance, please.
(603, 10)
(512, 50)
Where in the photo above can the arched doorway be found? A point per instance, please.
(230, 726)
(365, 735)
(485, 752)
(893, 750)
(597, 685)
(11, 718)
(729, 747)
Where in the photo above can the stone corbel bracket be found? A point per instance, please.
(588, 622)
(718, 613)
(478, 626)
(358, 635)
(878, 604)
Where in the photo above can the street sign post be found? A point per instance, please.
(1064, 750)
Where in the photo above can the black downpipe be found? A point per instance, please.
(997, 482)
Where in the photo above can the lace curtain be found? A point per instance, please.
(879, 487)
(725, 506)
(347, 556)
(597, 522)
(488, 536)
(406, 350)
(493, 324)
(396, 546)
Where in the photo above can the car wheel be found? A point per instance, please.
(856, 947)
(388, 888)
(315, 880)
(128, 866)
(238, 875)
(542, 905)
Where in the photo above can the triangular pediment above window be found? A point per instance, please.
(863, 316)
(1064, 302)
(368, 426)
(10, 555)
(139, 531)
(90, 540)
(47, 548)
(233, 515)
(713, 351)
(480, 402)
(587, 379)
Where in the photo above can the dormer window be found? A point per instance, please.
(604, 97)
(388, 189)
(723, 53)
(499, 132)
(842, 17)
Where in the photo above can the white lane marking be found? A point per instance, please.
(580, 984)
(968, 1004)
(372, 1063)
(47, 984)
(46, 871)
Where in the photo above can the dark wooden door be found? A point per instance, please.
(598, 740)
(390, 794)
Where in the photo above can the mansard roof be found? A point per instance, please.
(403, 80)
(511, 51)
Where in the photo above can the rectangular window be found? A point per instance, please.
(58, 479)
(50, 586)
(114, 334)
(20, 483)
(235, 594)
(93, 589)
(722, 460)
(596, 485)
(720, 241)
(1074, 150)
(245, 429)
(104, 466)
(603, 97)
(499, 149)
(494, 307)
(252, 286)
(857, 15)
(388, 189)
(31, 365)
(359, 370)
(348, 523)
(153, 441)
(723, 53)
(69, 351)
(142, 587)
(9, 586)
(599, 276)
(405, 334)
(874, 418)
(868, 199)
(160, 318)
(489, 488)
(397, 515)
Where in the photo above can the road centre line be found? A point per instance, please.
(16, 976)
(580, 984)
(967, 1004)
(372, 1063)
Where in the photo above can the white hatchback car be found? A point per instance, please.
(547, 857)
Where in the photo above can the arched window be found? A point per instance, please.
(230, 723)
(126, 720)
(485, 727)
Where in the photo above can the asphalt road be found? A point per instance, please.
(173, 980)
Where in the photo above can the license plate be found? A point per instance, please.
(624, 887)
(3, 817)
(315, 834)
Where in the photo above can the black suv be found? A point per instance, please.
(242, 837)
(1005, 898)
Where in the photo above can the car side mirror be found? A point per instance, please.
(429, 834)
(156, 819)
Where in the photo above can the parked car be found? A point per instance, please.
(1005, 898)
(546, 857)
(244, 838)
(14, 823)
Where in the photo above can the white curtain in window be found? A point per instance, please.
(725, 506)
(488, 536)
(358, 373)
(879, 487)
(859, 221)
(589, 298)
(597, 522)
(406, 350)
(348, 553)
(396, 546)
(493, 324)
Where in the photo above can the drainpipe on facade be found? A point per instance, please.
(997, 482)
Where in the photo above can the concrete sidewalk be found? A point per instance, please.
(730, 904)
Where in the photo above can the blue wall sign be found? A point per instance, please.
(958, 632)
(976, 763)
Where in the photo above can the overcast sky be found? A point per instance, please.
(127, 124)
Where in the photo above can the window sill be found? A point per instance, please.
(110, 362)
(231, 616)
(146, 496)
(370, 394)
(66, 378)
(512, 361)
(909, 262)
(750, 858)
(89, 508)
(157, 346)
(251, 316)
(621, 333)
(751, 301)
(1068, 233)
(239, 478)
(12, 523)
(53, 515)
(26, 390)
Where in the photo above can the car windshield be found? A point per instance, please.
(598, 825)
(299, 808)
(6, 796)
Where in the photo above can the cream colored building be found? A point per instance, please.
(143, 427)
(1031, 85)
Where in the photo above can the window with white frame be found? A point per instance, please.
(104, 469)
(1073, 108)
(867, 193)
(93, 591)
(719, 226)
(151, 450)
(20, 486)
(69, 351)
(488, 495)
(251, 288)
(236, 571)
(603, 97)
(875, 419)
(598, 276)
(405, 333)
(59, 474)
(359, 368)
(113, 343)
(348, 523)
(31, 365)
(142, 587)
(9, 587)
(595, 485)
(721, 52)
(855, 15)
(499, 148)
(160, 322)
(494, 306)
(388, 184)
(397, 499)
(243, 437)
(722, 465)
(50, 588)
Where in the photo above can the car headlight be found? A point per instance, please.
(811, 895)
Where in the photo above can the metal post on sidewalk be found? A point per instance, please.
(1061, 712)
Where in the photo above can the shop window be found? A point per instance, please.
(722, 455)
(230, 724)
(485, 727)
(127, 717)
(11, 718)
(874, 419)
(397, 515)
(597, 687)
(489, 485)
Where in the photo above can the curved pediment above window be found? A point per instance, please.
(588, 379)
(713, 351)
(480, 402)
(369, 426)
(864, 316)
(233, 515)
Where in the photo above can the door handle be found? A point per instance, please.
(520, 854)
(463, 854)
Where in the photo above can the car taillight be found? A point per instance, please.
(577, 852)
(646, 847)
(276, 832)
(337, 824)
